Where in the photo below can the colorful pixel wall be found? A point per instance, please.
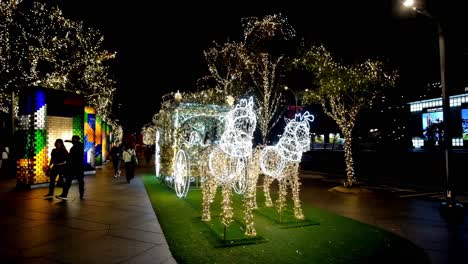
(104, 140)
(98, 143)
(31, 138)
(89, 140)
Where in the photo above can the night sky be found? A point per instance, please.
(159, 47)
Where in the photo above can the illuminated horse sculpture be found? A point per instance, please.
(231, 165)
(281, 161)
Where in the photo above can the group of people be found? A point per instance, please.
(129, 156)
(68, 165)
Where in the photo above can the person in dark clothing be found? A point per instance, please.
(75, 168)
(116, 156)
(130, 158)
(57, 165)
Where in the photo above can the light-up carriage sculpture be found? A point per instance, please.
(180, 141)
(281, 161)
(232, 166)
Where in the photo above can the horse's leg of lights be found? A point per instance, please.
(295, 188)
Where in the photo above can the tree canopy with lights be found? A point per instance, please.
(41, 47)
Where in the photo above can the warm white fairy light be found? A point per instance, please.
(181, 174)
(344, 91)
(282, 193)
(281, 162)
(250, 195)
(232, 166)
(149, 134)
(208, 184)
(225, 65)
(294, 141)
(230, 100)
(266, 191)
(264, 66)
(222, 167)
(38, 35)
(240, 124)
(240, 183)
(271, 161)
(117, 132)
(157, 150)
(295, 188)
(226, 205)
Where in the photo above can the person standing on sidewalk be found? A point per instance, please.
(116, 156)
(75, 168)
(130, 158)
(57, 165)
(4, 162)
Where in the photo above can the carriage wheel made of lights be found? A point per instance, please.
(181, 174)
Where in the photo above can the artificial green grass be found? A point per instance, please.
(335, 239)
(286, 220)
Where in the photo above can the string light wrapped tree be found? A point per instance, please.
(265, 58)
(265, 61)
(344, 91)
(55, 52)
(7, 65)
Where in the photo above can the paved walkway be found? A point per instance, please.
(415, 218)
(115, 223)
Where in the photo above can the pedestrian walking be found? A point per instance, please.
(57, 165)
(4, 161)
(130, 158)
(75, 168)
(116, 156)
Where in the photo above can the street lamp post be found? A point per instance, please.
(286, 88)
(450, 201)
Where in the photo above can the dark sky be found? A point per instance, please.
(159, 46)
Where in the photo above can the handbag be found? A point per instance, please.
(134, 160)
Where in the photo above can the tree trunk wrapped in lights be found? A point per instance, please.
(350, 179)
(344, 91)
